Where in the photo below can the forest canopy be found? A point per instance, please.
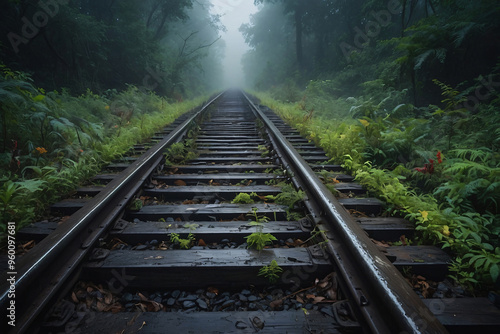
(397, 43)
(169, 46)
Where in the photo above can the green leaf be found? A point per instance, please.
(39, 98)
(476, 237)
(487, 246)
(479, 263)
(494, 272)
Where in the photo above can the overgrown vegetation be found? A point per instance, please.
(171, 47)
(445, 179)
(51, 141)
(180, 153)
(407, 98)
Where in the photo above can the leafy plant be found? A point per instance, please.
(453, 111)
(18, 202)
(264, 151)
(258, 240)
(289, 196)
(272, 271)
(180, 153)
(461, 275)
(183, 243)
(136, 204)
(244, 198)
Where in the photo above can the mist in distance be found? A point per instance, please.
(234, 14)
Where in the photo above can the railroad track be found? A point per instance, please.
(166, 247)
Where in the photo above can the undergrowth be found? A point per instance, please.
(437, 167)
(51, 142)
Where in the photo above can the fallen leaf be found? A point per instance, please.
(108, 298)
(201, 243)
(318, 299)
(63, 220)
(356, 213)
(334, 180)
(141, 306)
(380, 243)
(28, 245)
(403, 240)
(115, 308)
(100, 306)
(276, 303)
(180, 183)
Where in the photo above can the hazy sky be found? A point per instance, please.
(235, 13)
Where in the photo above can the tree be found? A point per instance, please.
(105, 44)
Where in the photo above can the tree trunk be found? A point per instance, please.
(298, 37)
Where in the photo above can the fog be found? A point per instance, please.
(234, 14)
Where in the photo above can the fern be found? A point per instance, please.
(470, 169)
(482, 154)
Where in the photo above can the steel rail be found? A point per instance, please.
(31, 269)
(398, 307)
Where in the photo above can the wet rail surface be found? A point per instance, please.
(124, 269)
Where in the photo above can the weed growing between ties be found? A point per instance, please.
(180, 153)
(272, 271)
(258, 240)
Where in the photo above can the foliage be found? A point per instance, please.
(18, 202)
(272, 271)
(182, 243)
(102, 45)
(289, 196)
(443, 178)
(57, 141)
(258, 240)
(180, 153)
(244, 198)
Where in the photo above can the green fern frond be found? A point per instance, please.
(475, 187)
(482, 154)
(469, 168)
